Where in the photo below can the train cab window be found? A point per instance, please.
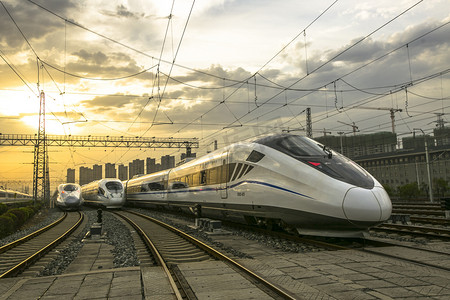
(70, 188)
(319, 157)
(301, 147)
(2, 195)
(293, 145)
(114, 186)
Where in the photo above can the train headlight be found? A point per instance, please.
(361, 205)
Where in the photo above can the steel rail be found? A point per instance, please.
(28, 237)
(160, 260)
(427, 220)
(33, 258)
(415, 230)
(220, 256)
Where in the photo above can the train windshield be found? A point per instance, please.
(70, 187)
(319, 157)
(299, 146)
(114, 186)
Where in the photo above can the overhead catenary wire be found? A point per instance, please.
(415, 39)
(266, 104)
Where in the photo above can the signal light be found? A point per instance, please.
(315, 164)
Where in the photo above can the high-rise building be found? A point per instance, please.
(123, 172)
(151, 165)
(167, 162)
(110, 170)
(136, 167)
(86, 175)
(70, 176)
(97, 172)
(191, 155)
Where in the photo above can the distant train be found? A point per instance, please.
(108, 193)
(8, 196)
(281, 180)
(69, 196)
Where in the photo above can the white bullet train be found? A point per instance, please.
(10, 196)
(284, 180)
(69, 196)
(108, 193)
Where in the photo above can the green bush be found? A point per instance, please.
(6, 225)
(409, 191)
(21, 216)
(29, 212)
(3, 208)
(13, 217)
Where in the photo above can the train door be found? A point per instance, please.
(224, 176)
(165, 188)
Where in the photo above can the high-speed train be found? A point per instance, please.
(10, 196)
(284, 180)
(69, 196)
(108, 192)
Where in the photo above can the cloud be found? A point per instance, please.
(122, 12)
(26, 18)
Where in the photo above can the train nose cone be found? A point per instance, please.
(72, 201)
(363, 206)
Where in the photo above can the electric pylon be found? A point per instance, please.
(41, 178)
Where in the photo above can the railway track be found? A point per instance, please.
(430, 220)
(422, 231)
(171, 248)
(19, 255)
(416, 254)
(423, 208)
(412, 254)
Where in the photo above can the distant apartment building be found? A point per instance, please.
(361, 145)
(110, 170)
(189, 155)
(70, 176)
(151, 165)
(123, 172)
(167, 162)
(97, 172)
(392, 165)
(136, 167)
(86, 175)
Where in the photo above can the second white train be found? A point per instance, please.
(108, 193)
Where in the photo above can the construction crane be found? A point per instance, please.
(392, 110)
(355, 128)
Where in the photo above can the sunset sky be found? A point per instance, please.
(216, 70)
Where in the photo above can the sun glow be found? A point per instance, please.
(52, 126)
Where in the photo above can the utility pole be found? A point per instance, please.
(430, 188)
(341, 133)
(308, 122)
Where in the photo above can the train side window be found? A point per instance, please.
(255, 156)
(196, 179)
(155, 186)
(178, 185)
(145, 187)
(214, 174)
